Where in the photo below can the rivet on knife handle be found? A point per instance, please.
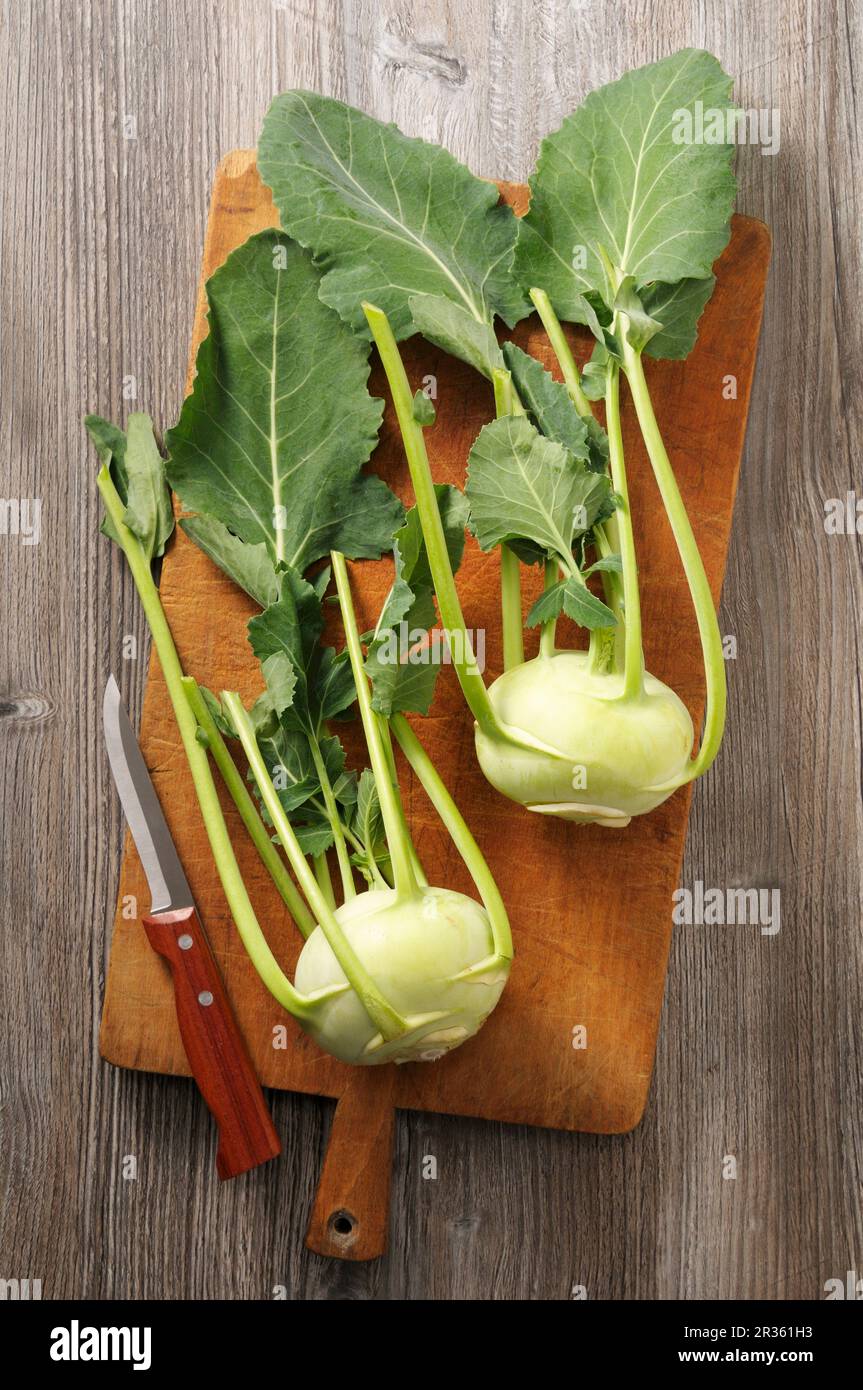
(214, 1045)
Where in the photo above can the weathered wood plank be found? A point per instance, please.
(760, 1045)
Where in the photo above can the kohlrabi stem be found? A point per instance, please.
(633, 659)
(461, 837)
(321, 867)
(463, 660)
(395, 822)
(562, 351)
(693, 567)
(344, 860)
(249, 814)
(205, 788)
(506, 402)
(606, 532)
(549, 629)
(419, 871)
(389, 1023)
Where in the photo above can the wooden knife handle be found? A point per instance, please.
(350, 1217)
(214, 1045)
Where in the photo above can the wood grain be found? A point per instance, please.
(759, 1050)
(593, 960)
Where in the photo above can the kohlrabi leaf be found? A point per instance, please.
(677, 308)
(220, 718)
(454, 514)
(608, 564)
(455, 329)
(388, 217)
(640, 326)
(138, 473)
(572, 597)
(307, 683)
(402, 664)
(593, 374)
(423, 409)
(547, 401)
(368, 827)
(625, 184)
(521, 486)
(110, 443)
(249, 566)
(288, 757)
(597, 446)
(272, 438)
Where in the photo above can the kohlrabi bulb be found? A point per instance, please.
(414, 951)
(613, 753)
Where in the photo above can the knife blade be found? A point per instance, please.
(215, 1047)
(169, 887)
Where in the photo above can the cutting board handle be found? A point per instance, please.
(350, 1216)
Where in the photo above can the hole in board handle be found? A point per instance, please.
(343, 1227)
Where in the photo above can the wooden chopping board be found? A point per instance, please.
(590, 908)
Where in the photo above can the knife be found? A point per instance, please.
(215, 1047)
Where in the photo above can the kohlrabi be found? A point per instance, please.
(625, 221)
(268, 450)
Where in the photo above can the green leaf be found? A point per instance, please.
(571, 597)
(368, 827)
(678, 308)
(423, 409)
(290, 629)
(401, 664)
(249, 566)
(640, 327)
(522, 486)
(110, 445)
(547, 401)
(401, 679)
(149, 513)
(280, 676)
(597, 445)
(273, 436)
(619, 179)
(307, 683)
(138, 473)
(593, 376)
(334, 688)
(387, 217)
(454, 514)
(220, 719)
(612, 564)
(454, 329)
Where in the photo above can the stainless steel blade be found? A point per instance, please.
(168, 885)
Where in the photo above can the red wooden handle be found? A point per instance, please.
(350, 1216)
(214, 1045)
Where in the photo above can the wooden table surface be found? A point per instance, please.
(113, 118)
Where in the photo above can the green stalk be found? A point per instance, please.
(464, 661)
(321, 868)
(549, 629)
(389, 1023)
(693, 567)
(462, 839)
(419, 871)
(562, 351)
(506, 402)
(392, 810)
(205, 788)
(606, 532)
(344, 860)
(242, 798)
(633, 658)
